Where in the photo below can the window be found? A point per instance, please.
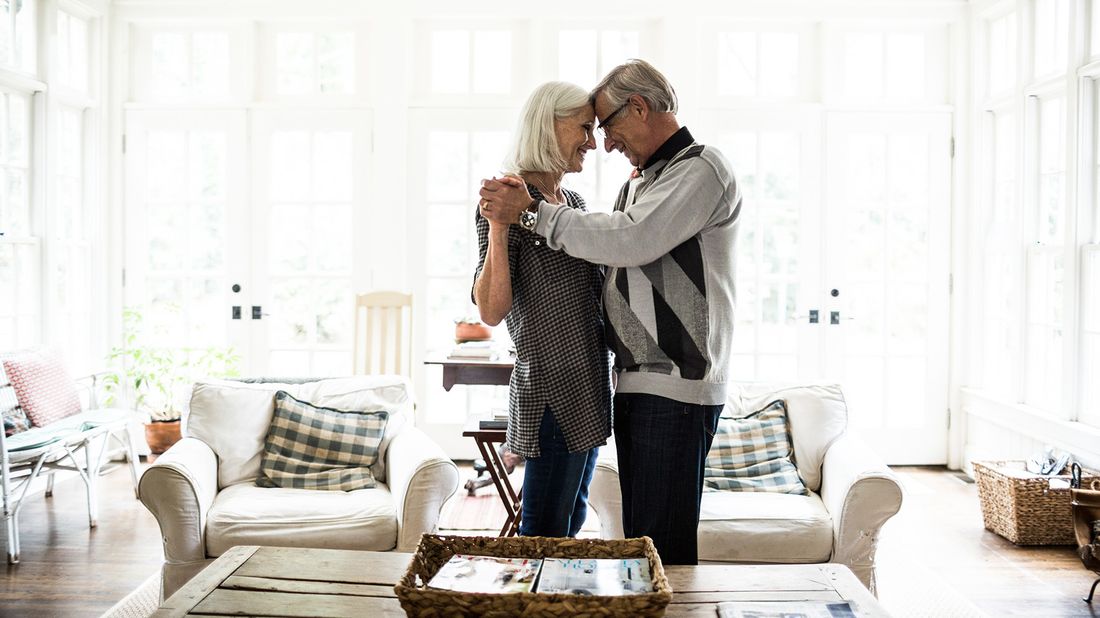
(195, 64)
(72, 51)
(20, 246)
(1090, 336)
(758, 64)
(1002, 54)
(1052, 35)
(884, 65)
(471, 62)
(70, 243)
(585, 56)
(1045, 262)
(17, 35)
(315, 63)
(1001, 273)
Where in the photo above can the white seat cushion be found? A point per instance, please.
(764, 527)
(244, 514)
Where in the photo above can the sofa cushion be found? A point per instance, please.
(817, 414)
(313, 447)
(233, 417)
(764, 527)
(43, 387)
(753, 453)
(244, 514)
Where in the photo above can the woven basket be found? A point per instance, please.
(434, 551)
(1022, 507)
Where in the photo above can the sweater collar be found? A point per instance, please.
(674, 144)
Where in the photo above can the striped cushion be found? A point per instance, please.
(754, 454)
(310, 447)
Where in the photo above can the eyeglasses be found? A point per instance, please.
(607, 122)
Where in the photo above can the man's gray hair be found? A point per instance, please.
(637, 77)
(535, 148)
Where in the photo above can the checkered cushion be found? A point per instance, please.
(43, 387)
(310, 447)
(754, 453)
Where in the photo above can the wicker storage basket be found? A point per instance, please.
(1022, 507)
(434, 551)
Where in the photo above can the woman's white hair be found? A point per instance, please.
(535, 148)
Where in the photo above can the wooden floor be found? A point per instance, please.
(69, 570)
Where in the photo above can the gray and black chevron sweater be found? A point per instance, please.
(669, 296)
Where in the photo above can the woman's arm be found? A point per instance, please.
(493, 288)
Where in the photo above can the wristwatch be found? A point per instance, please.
(529, 218)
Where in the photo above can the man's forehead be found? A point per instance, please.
(601, 104)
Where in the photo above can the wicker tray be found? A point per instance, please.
(1022, 507)
(434, 551)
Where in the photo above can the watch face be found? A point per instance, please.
(528, 220)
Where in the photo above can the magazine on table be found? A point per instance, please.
(464, 573)
(788, 609)
(474, 350)
(590, 576)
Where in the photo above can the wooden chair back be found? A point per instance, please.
(383, 334)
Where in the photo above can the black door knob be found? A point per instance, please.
(236, 288)
(834, 293)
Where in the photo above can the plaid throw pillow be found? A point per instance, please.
(310, 447)
(754, 454)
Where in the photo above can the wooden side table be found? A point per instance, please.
(486, 440)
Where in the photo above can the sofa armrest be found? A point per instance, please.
(421, 478)
(860, 493)
(604, 495)
(178, 489)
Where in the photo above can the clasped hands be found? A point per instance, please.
(503, 199)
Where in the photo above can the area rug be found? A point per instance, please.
(140, 603)
(925, 594)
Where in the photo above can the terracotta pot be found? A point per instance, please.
(465, 331)
(161, 435)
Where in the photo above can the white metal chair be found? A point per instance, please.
(383, 334)
(24, 456)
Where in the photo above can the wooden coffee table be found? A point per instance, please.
(282, 581)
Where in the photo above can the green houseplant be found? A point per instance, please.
(151, 379)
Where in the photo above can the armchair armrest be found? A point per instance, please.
(604, 495)
(178, 489)
(860, 493)
(421, 478)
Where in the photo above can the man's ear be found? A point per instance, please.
(638, 105)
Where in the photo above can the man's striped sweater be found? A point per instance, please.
(670, 296)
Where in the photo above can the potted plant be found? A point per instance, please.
(153, 378)
(472, 329)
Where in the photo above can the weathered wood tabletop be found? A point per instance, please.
(283, 581)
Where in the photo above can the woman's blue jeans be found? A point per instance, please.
(555, 485)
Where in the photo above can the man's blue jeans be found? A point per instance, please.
(555, 485)
(662, 447)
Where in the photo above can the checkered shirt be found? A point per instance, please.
(557, 325)
(310, 447)
(754, 453)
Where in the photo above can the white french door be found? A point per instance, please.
(885, 298)
(186, 225)
(842, 270)
(310, 233)
(249, 230)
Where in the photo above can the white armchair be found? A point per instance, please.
(852, 493)
(203, 494)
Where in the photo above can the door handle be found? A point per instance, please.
(814, 316)
(258, 312)
(236, 312)
(834, 317)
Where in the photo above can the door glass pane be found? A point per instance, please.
(737, 64)
(778, 64)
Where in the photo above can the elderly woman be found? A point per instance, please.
(560, 394)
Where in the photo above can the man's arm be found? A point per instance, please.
(686, 199)
(493, 282)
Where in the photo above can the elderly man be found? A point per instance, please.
(669, 296)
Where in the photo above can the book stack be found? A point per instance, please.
(474, 350)
(581, 576)
(498, 421)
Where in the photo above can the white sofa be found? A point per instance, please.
(852, 493)
(203, 494)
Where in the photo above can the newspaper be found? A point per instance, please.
(464, 573)
(788, 609)
(590, 576)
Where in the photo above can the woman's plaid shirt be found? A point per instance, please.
(557, 325)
